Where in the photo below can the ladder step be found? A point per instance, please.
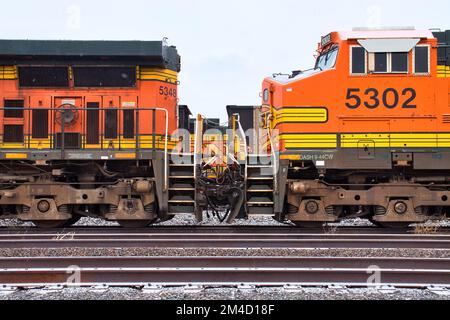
(182, 209)
(260, 178)
(250, 166)
(182, 198)
(181, 189)
(182, 201)
(255, 204)
(260, 201)
(183, 172)
(181, 177)
(261, 156)
(182, 186)
(259, 190)
(175, 165)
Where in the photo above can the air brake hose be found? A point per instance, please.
(237, 207)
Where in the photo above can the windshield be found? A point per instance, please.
(327, 60)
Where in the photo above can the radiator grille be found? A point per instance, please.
(11, 108)
(71, 141)
(13, 133)
(446, 118)
(93, 128)
(40, 124)
(111, 124)
(128, 124)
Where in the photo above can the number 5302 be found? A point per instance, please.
(389, 98)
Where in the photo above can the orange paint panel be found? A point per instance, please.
(365, 126)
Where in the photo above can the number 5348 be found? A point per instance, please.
(389, 98)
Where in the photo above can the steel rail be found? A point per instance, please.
(218, 229)
(27, 272)
(232, 242)
(136, 276)
(224, 262)
(217, 236)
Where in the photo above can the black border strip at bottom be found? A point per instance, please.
(225, 309)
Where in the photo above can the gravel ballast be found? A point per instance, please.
(227, 294)
(188, 220)
(201, 252)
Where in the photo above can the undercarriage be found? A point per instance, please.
(395, 198)
(58, 194)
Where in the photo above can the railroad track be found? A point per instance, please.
(222, 229)
(221, 271)
(236, 240)
(261, 271)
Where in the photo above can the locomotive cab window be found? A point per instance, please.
(327, 60)
(422, 60)
(399, 62)
(388, 62)
(358, 60)
(266, 95)
(381, 62)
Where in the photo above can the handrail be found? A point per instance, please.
(53, 131)
(166, 150)
(198, 142)
(274, 159)
(241, 131)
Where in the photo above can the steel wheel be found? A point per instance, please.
(135, 224)
(309, 224)
(50, 224)
(392, 225)
(75, 218)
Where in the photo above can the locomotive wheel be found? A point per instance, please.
(75, 218)
(135, 224)
(165, 219)
(50, 224)
(309, 224)
(400, 225)
(392, 225)
(376, 223)
(138, 224)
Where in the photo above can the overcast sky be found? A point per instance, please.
(227, 47)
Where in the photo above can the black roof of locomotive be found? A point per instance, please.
(144, 53)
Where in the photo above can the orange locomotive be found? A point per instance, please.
(366, 132)
(85, 129)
